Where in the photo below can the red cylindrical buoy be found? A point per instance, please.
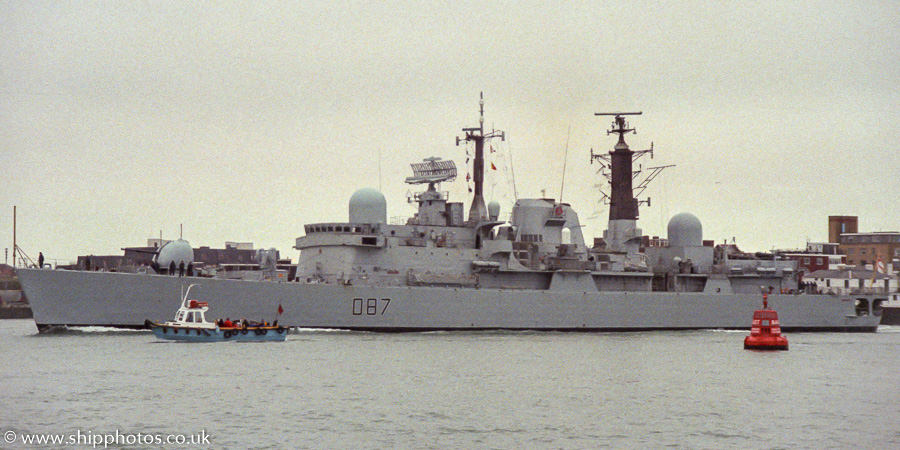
(765, 333)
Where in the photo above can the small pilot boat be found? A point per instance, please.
(190, 325)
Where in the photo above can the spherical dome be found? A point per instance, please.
(178, 251)
(685, 230)
(367, 205)
(494, 209)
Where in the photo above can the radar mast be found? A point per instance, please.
(478, 212)
(622, 234)
(622, 204)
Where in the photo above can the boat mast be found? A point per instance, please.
(478, 211)
(622, 204)
(15, 247)
(623, 235)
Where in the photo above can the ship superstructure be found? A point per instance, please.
(441, 270)
(542, 246)
(437, 247)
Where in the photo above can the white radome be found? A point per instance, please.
(685, 230)
(368, 205)
(178, 251)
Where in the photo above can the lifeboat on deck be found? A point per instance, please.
(765, 332)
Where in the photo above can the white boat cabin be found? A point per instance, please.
(191, 314)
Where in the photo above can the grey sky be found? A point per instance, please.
(245, 120)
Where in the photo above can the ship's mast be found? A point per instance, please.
(15, 246)
(478, 211)
(623, 235)
(622, 204)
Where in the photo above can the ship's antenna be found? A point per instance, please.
(512, 172)
(622, 205)
(15, 246)
(18, 252)
(622, 197)
(478, 211)
(379, 168)
(565, 160)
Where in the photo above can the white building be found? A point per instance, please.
(850, 281)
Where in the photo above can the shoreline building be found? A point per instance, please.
(850, 281)
(134, 258)
(865, 250)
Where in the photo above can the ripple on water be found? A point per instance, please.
(456, 390)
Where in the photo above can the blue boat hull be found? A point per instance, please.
(218, 335)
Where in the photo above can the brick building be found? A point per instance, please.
(868, 248)
(864, 250)
(838, 225)
(812, 262)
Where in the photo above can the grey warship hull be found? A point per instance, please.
(440, 271)
(80, 298)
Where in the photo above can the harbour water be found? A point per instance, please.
(335, 389)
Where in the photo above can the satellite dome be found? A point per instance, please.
(178, 251)
(367, 205)
(494, 209)
(685, 230)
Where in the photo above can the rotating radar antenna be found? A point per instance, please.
(432, 171)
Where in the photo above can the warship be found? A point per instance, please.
(441, 270)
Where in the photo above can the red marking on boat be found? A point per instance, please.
(765, 331)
